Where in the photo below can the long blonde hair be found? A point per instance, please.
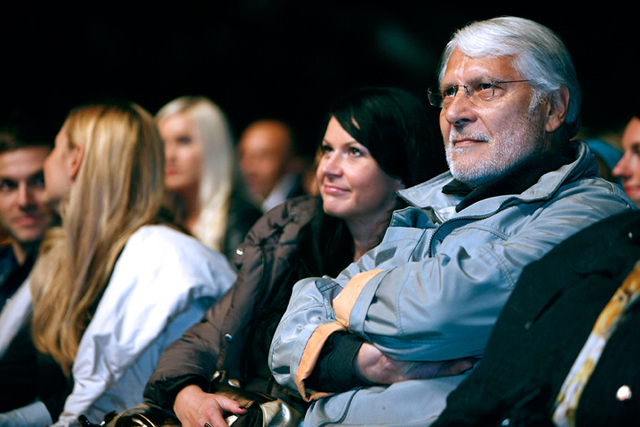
(220, 171)
(118, 189)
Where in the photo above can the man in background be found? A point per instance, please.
(23, 217)
(269, 165)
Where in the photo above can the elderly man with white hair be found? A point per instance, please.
(387, 340)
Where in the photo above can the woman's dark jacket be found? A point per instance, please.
(264, 262)
(542, 329)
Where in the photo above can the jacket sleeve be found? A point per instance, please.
(161, 285)
(191, 359)
(432, 298)
(217, 341)
(444, 307)
(194, 357)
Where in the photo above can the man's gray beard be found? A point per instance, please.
(509, 147)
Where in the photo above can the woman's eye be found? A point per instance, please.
(354, 151)
(184, 140)
(325, 149)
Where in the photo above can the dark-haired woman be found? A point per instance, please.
(377, 141)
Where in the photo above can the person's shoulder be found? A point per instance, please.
(304, 203)
(154, 233)
(155, 248)
(282, 223)
(164, 242)
(585, 187)
(579, 179)
(298, 210)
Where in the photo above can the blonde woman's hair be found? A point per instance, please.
(220, 171)
(119, 188)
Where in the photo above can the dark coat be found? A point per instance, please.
(241, 217)
(218, 341)
(542, 329)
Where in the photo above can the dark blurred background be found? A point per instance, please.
(281, 58)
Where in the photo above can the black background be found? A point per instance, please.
(285, 58)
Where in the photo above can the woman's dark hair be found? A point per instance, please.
(396, 128)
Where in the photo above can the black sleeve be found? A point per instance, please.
(18, 370)
(53, 385)
(335, 369)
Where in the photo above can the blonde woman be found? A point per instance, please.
(202, 173)
(114, 285)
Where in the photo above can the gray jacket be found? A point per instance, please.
(433, 288)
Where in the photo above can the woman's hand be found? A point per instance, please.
(375, 367)
(195, 408)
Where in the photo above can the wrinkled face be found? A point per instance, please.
(352, 185)
(57, 171)
(484, 139)
(23, 215)
(628, 168)
(264, 153)
(183, 154)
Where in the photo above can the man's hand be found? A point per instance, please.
(375, 367)
(195, 408)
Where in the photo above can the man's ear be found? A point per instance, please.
(558, 107)
(75, 161)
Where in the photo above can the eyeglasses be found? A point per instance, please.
(482, 92)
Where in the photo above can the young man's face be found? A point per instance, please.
(22, 215)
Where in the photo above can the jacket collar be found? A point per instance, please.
(582, 164)
(514, 181)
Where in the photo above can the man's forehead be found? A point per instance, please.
(462, 67)
(264, 144)
(23, 162)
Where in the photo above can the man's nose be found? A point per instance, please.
(459, 109)
(25, 195)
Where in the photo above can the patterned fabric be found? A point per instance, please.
(613, 313)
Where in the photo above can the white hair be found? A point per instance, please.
(538, 55)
